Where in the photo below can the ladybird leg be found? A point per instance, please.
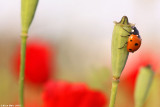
(123, 45)
(124, 36)
(126, 30)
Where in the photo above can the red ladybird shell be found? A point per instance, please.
(134, 42)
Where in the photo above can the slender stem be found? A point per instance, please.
(113, 92)
(22, 69)
(139, 105)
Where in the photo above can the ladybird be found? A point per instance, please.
(134, 40)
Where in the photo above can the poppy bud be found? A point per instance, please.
(143, 85)
(119, 53)
(28, 8)
(119, 50)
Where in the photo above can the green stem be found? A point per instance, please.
(22, 68)
(113, 92)
(139, 105)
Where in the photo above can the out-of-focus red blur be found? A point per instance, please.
(38, 66)
(131, 70)
(64, 94)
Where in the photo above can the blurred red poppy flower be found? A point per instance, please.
(134, 63)
(38, 61)
(63, 94)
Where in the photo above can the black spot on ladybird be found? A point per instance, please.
(130, 49)
(131, 40)
(136, 44)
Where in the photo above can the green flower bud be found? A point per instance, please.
(28, 8)
(119, 43)
(143, 85)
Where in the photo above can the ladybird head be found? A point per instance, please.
(135, 31)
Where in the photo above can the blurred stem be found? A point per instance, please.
(115, 83)
(138, 106)
(22, 68)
